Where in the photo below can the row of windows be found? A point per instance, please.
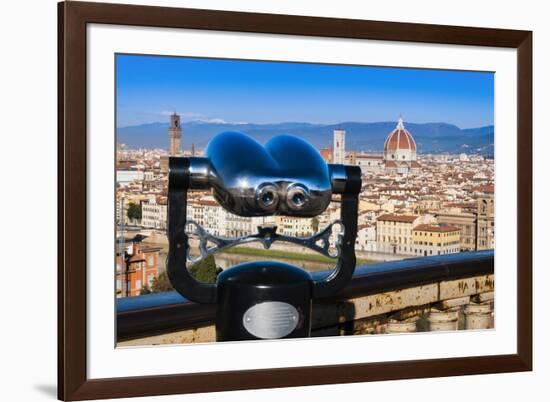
(394, 223)
(299, 234)
(404, 240)
(438, 235)
(396, 231)
(394, 239)
(430, 252)
(425, 243)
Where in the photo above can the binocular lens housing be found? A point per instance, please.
(297, 197)
(267, 197)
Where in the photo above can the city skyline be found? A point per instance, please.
(149, 88)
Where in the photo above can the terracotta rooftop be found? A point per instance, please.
(210, 203)
(400, 138)
(397, 218)
(125, 165)
(368, 156)
(488, 188)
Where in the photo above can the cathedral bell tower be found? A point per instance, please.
(174, 135)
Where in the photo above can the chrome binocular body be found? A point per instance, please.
(287, 176)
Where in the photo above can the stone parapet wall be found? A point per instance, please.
(466, 303)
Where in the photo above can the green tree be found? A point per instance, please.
(205, 270)
(134, 211)
(161, 283)
(145, 290)
(202, 271)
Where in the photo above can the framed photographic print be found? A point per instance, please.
(252, 200)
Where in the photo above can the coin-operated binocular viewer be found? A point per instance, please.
(287, 176)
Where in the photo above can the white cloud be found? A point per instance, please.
(195, 116)
(213, 120)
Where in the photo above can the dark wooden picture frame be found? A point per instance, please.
(73, 17)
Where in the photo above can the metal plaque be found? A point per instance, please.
(271, 320)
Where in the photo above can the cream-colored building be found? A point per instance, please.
(295, 227)
(209, 214)
(369, 163)
(154, 215)
(239, 226)
(465, 221)
(436, 239)
(365, 205)
(394, 233)
(366, 238)
(477, 227)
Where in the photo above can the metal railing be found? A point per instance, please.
(159, 313)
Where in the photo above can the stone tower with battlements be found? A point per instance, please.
(174, 135)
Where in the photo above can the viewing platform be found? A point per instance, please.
(440, 293)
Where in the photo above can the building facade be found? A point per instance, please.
(206, 212)
(466, 222)
(436, 239)
(154, 215)
(369, 163)
(209, 214)
(295, 227)
(394, 233)
(239, 226)
(136, 267)
(127, 176)
(366, 238)
(477, 227)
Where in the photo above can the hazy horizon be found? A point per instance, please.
(206, 121)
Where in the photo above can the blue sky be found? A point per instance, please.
(151, 87)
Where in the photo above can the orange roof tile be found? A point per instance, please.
(397, 218)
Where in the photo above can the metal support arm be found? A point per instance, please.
(181, 279)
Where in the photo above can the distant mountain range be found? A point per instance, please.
(370, 137)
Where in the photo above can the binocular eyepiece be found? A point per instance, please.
(287, 176)
(295, 199)
(267, 197)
